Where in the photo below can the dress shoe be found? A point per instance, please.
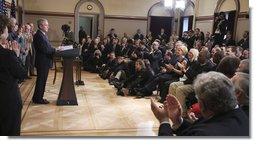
(140, 95)
(43, 101)
(140, 90)
(117, 84)
(120, 92)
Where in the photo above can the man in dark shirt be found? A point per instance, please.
(81, 34)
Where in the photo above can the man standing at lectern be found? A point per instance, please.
(43, 61)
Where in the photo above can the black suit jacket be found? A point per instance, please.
(44, 51)
(232, 123)
(190, 42)
(244, 43)
(11, 69)
(196, 69)
(155, 59)
(138, 36)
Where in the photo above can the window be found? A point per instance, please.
(185, 23)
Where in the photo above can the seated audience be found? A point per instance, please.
(94, 62)
(183, 89)
(141, 77)
(170, 72)
(221, 115)
(107, 69)
(228, 66)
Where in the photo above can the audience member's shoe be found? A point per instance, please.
(120, 92)
(140, 95)
(132, 92)
(43, 101)
(33, 75)
(117, 84)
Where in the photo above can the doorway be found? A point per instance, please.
(90, 24)
(160, 22)
(186, 23)
(87, 23)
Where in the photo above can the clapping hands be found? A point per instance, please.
(174, 109)
(171, 109)
(13, 45)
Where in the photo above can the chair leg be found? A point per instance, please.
(158, 93)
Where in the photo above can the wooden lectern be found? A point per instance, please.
(67, 95)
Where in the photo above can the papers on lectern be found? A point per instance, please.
(62, 48)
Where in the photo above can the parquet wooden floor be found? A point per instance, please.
(100, 112)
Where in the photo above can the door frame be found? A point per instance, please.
(101, 15)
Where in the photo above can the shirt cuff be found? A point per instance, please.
(175, 127)
(167, 122)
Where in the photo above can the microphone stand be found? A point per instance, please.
(78, 60)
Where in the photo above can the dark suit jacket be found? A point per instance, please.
(44, 51)
(244, 43)
(196, 69)
(229, 42)
(190, 42)
(232, 123)
(138, 79)
(155, 59)
(138, 36)
(163, 37)
(12, 36)
(11, 69)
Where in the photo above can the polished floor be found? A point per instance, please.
(100, 112)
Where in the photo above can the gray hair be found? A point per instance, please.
(245, 63)
(241, 83)
(216, 90)
(40, 22)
